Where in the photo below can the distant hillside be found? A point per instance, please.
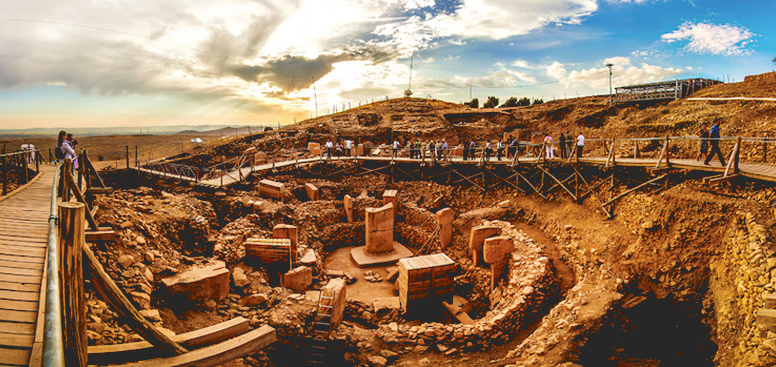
(209, 130)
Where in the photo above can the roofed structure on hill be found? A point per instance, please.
(668, 90)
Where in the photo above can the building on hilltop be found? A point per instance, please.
(660, 91)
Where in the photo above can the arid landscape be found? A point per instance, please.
(674, 278)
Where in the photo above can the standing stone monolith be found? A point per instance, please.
(445, 219)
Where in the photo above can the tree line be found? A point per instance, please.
(492, 102)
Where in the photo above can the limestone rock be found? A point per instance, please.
(253, 299)
(126, 260)
(199, 284)
(298, 279)
(151, 315)
(377, 361)
(239, 278)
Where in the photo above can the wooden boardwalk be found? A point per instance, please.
(24, 231)
(759, 171)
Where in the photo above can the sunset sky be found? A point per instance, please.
(79, 63)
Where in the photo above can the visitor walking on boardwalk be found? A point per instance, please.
(562, 143)
(703, 133)
(465, 145)
(549, 149)
(442, 152)
(714, 136)
(499, 149)
(348, 147)
(329, 146)
(395, 147)
(488, 150)
(338, 149)
(355, 147)
(512, 149)
(580, 145)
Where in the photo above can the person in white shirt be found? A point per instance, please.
(580, 145)
(550, 151)
(395, 147)
(442, 152)
(329, 146)
(499, 149)
(348, 147)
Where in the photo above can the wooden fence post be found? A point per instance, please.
(765, 149)
(668, 150)
(66, 170)
(23, 165)
(5, 175)
(37, 163)
(72, 238)
(738, 151)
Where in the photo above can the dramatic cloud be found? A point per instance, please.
(498, 19)
(623, 73)
(556, 70)
(714, 39)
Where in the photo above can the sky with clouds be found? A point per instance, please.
(85, 63)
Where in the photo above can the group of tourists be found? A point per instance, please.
(565, 145)
(66, 145)
(470, 148)
(348, 147)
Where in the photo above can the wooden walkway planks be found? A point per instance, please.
(23, 237)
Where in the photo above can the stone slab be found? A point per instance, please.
(497, 249)
(298, 279)
(365, 259)
(312, 191)
(199, 284)
(477, 240)
(386, 304)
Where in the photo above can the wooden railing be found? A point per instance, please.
(18, 162)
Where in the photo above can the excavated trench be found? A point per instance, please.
(654, 332)
(586, 310)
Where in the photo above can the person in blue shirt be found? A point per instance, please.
(714, 142)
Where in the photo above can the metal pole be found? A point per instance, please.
(127, 156)
(136, 165)
(611, 100)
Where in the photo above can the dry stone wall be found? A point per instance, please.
(531, 278)
(745, 270)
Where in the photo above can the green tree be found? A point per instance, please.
(525, 101)
(475, 103)
(491, 102)
(511, 102)
(538, 101)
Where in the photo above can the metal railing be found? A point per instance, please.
(53, 350)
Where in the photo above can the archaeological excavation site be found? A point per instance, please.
(280, 254)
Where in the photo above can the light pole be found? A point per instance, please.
(611, 100)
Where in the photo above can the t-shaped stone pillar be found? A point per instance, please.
(379, 228)
(477, 239)
(495, 252)
(290, 232)
(389, 197)
(380, 248)
(349, 208)
(444, 219)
